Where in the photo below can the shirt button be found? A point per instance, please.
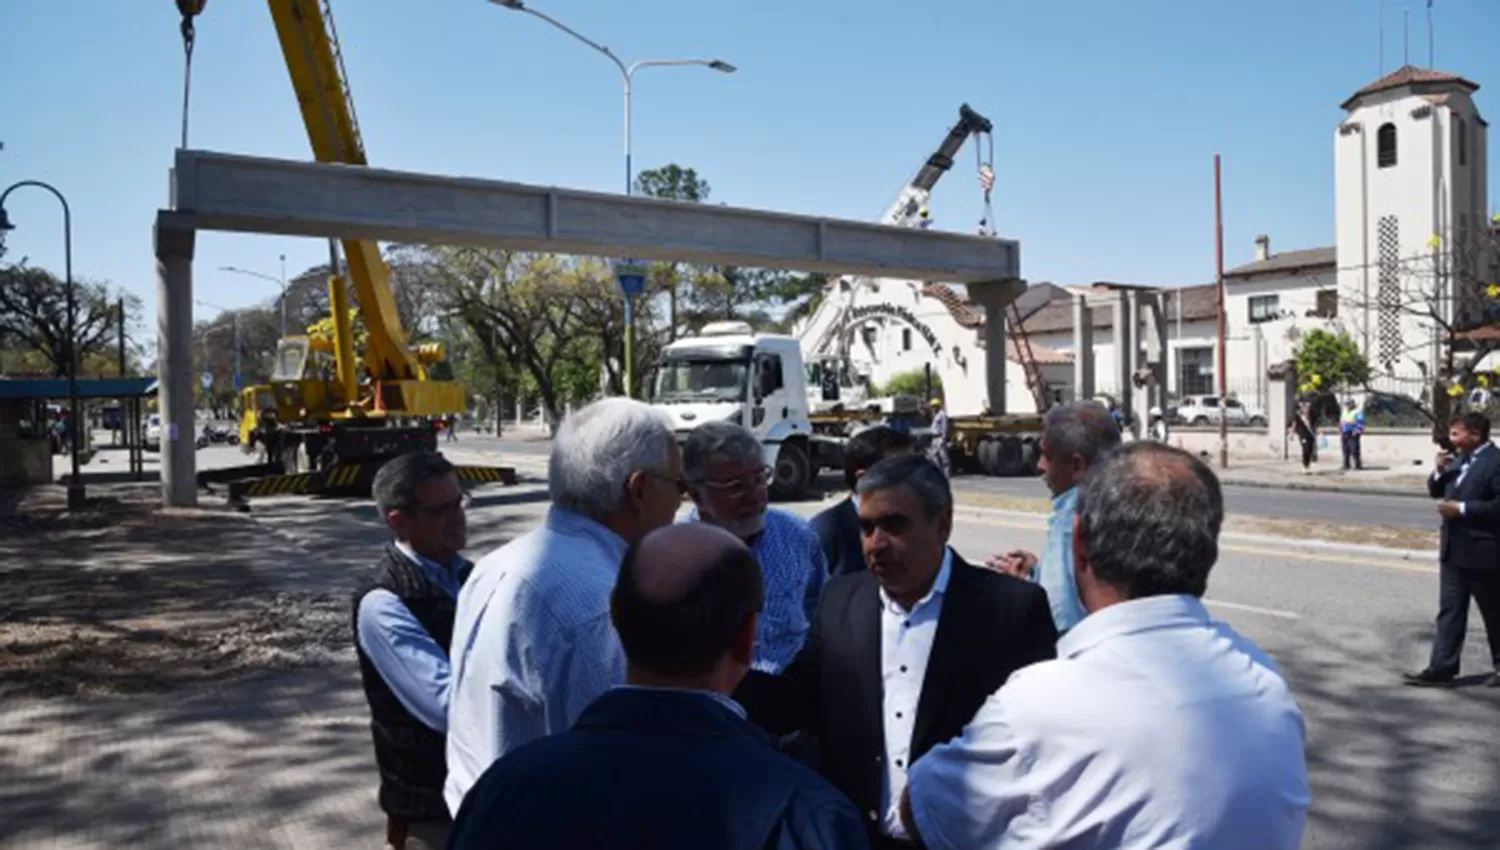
(899, 763)
(903, 668)
(873, 816)
(898, 715)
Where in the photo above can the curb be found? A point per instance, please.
(1313, 486)
(1244, 537)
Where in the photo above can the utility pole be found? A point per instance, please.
(1219, 260)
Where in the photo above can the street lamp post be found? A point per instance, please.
(627, 73)
(281, 283)
(76, 498)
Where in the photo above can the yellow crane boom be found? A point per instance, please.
(310, 46)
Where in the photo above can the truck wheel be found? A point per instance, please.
(1008, 457)
(989, 453)
(791, 475)
(1031, 452)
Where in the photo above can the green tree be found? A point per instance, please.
(671, 182)
(34, 321)
(912, 383)
(1328, 361)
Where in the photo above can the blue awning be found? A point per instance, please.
(57, 388)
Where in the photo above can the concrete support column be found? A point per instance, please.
(1154, 335)
(996, 359)
(994, 297)
(1083, 349)
(174, 340)
(1124, 349)
(1281, 404)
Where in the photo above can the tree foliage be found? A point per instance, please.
(34, 323)
(914, 383)
(1329, 361)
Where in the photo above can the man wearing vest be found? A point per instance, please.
(403, 623)
(1351, 428)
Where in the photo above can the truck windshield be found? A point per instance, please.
(686, 380)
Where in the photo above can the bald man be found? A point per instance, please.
(667, 759)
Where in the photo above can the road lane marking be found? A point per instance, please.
(1254, 609)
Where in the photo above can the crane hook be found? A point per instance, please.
(189, 9)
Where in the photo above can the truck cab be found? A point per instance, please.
(730, 373)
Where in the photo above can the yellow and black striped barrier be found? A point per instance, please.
(482, 474)
(276, 485)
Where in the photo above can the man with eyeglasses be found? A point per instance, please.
(727, 478)
(403, 621)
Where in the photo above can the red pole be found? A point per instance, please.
(1219, 259)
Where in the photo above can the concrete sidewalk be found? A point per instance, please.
(1327, 476)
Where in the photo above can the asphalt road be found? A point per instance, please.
(1392, 767)
(1338, 508)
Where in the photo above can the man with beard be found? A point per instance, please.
(726, 474)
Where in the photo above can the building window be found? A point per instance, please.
(1328, 304)
(906, 339)
(1263, 308)
(1463, 142)
(1385, 145)
(1195, 371)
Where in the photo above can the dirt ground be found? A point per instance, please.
(125, 598)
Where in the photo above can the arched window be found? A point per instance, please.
(1463, 142)
(1385, 146)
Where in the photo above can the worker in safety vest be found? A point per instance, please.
(1351, 428)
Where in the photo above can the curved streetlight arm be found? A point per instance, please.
(75, 481)
(624, 72)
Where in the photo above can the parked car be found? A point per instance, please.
(1206, 409)
(153, 432)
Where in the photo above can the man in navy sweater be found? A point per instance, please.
(667, 760)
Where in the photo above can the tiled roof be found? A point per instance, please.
(1196, 303)
(1287, 261)
(1043, 354)
(962, 311)
(1410, 75)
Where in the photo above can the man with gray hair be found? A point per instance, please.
(1074, 437)
(533, 644)
(403, 619)
(1155, 726)
(726, 474)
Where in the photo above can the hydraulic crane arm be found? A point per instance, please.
(914, 197)
(310, 47)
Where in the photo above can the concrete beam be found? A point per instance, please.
(256, 195)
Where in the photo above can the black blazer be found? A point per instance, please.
(991, 625)
(660, 769)
(1472, 541)
(838, 530)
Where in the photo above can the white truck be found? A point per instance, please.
(730, 373)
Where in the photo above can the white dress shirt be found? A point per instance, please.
(905, 645)
(533, 644)
(1155, 727)
(1463, 469)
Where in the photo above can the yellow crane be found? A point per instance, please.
(350, 419)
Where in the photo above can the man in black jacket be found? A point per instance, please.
(901, 655)
(403, 623)
(838, 526)
(1469, 554)
(667, 761)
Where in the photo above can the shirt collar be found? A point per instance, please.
(729, 704)
(573, 524)
(939, 587)
(446, 573)
(1066, 499)
(1129, 617)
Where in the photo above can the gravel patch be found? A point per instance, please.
(124, 598)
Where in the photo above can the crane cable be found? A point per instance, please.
(189, 10)
(986, 169)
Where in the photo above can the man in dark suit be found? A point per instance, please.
(903, 654)
(1469, 554)
(668, 760)
(838, 526)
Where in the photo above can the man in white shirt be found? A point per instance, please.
(1155, 726)
(532, 640)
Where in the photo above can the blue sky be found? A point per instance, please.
(1107, 113)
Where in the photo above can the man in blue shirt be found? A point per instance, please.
(726, 474)
(403, 621)
(1074, 437)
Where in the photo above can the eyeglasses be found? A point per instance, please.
(734, 488)
(675, 481)
(462, 503)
